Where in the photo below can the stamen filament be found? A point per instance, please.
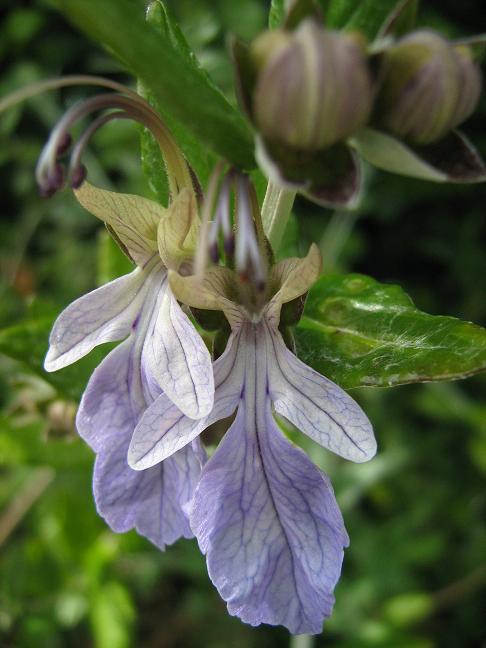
(135, 106)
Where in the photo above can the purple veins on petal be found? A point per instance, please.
(153, 501)
(103, 315)
(163, 429)
(317, 406)
(270, 526)
(264, 514)
(177, 358)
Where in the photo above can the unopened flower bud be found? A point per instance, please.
(313, 90)
(429, 87)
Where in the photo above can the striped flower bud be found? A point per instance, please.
(313, 87)
(429, 87)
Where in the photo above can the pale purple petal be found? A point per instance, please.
(317, 406)
(152, 501)
(270, 526)
(108, 406)
(164, 429)
(103, 315)
(177, 358)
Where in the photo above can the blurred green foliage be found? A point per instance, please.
(415, 574)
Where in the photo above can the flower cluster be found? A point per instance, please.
(263, 514)
(318, 98)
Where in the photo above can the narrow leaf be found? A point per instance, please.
(277, 14)
(359, 332)
(367, 16)
(185, 91)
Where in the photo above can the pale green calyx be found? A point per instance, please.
(428, 88)
(145, 229)
(313, 87)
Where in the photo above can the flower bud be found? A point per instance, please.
(313, 89)
(428, 88)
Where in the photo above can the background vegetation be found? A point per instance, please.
(415, 574)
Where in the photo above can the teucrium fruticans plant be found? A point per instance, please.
(317, 99)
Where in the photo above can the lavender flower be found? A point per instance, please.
(264, 515)
(162, 352)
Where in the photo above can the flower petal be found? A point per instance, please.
(317, 406)
(108, 404)
(178, 231)
(133, 219)
(103, 315)
(270, 526)
(151, 501)
(162, 431)
(163, 428)
(177, 358)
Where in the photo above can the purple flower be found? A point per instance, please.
(162, 353)
(264, 515)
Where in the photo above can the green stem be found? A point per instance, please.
(276, 209)
(301, 641)
(335, 236)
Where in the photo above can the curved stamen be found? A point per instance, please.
(141, 111)
(77, 171)
(136, 106)
(222, 221)
(202, 252)
(249, 261)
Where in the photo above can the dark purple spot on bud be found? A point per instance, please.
(135, 322)
(214, 253)
(78, 176)
(64, 144)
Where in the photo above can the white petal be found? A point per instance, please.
(317, 406)
(163, 429)
(178, 360)
(104, 315)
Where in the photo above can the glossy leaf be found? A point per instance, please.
(27, 342)
(359, 332)
(185, 91)
(367, 16)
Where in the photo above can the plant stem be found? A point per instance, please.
(335, 236)
(301, 641)
(276, 209)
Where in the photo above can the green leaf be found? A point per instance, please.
(277, 14)
(27, 343)
(184, 90)
(359, 332)
(200, 157)
(366, 16)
